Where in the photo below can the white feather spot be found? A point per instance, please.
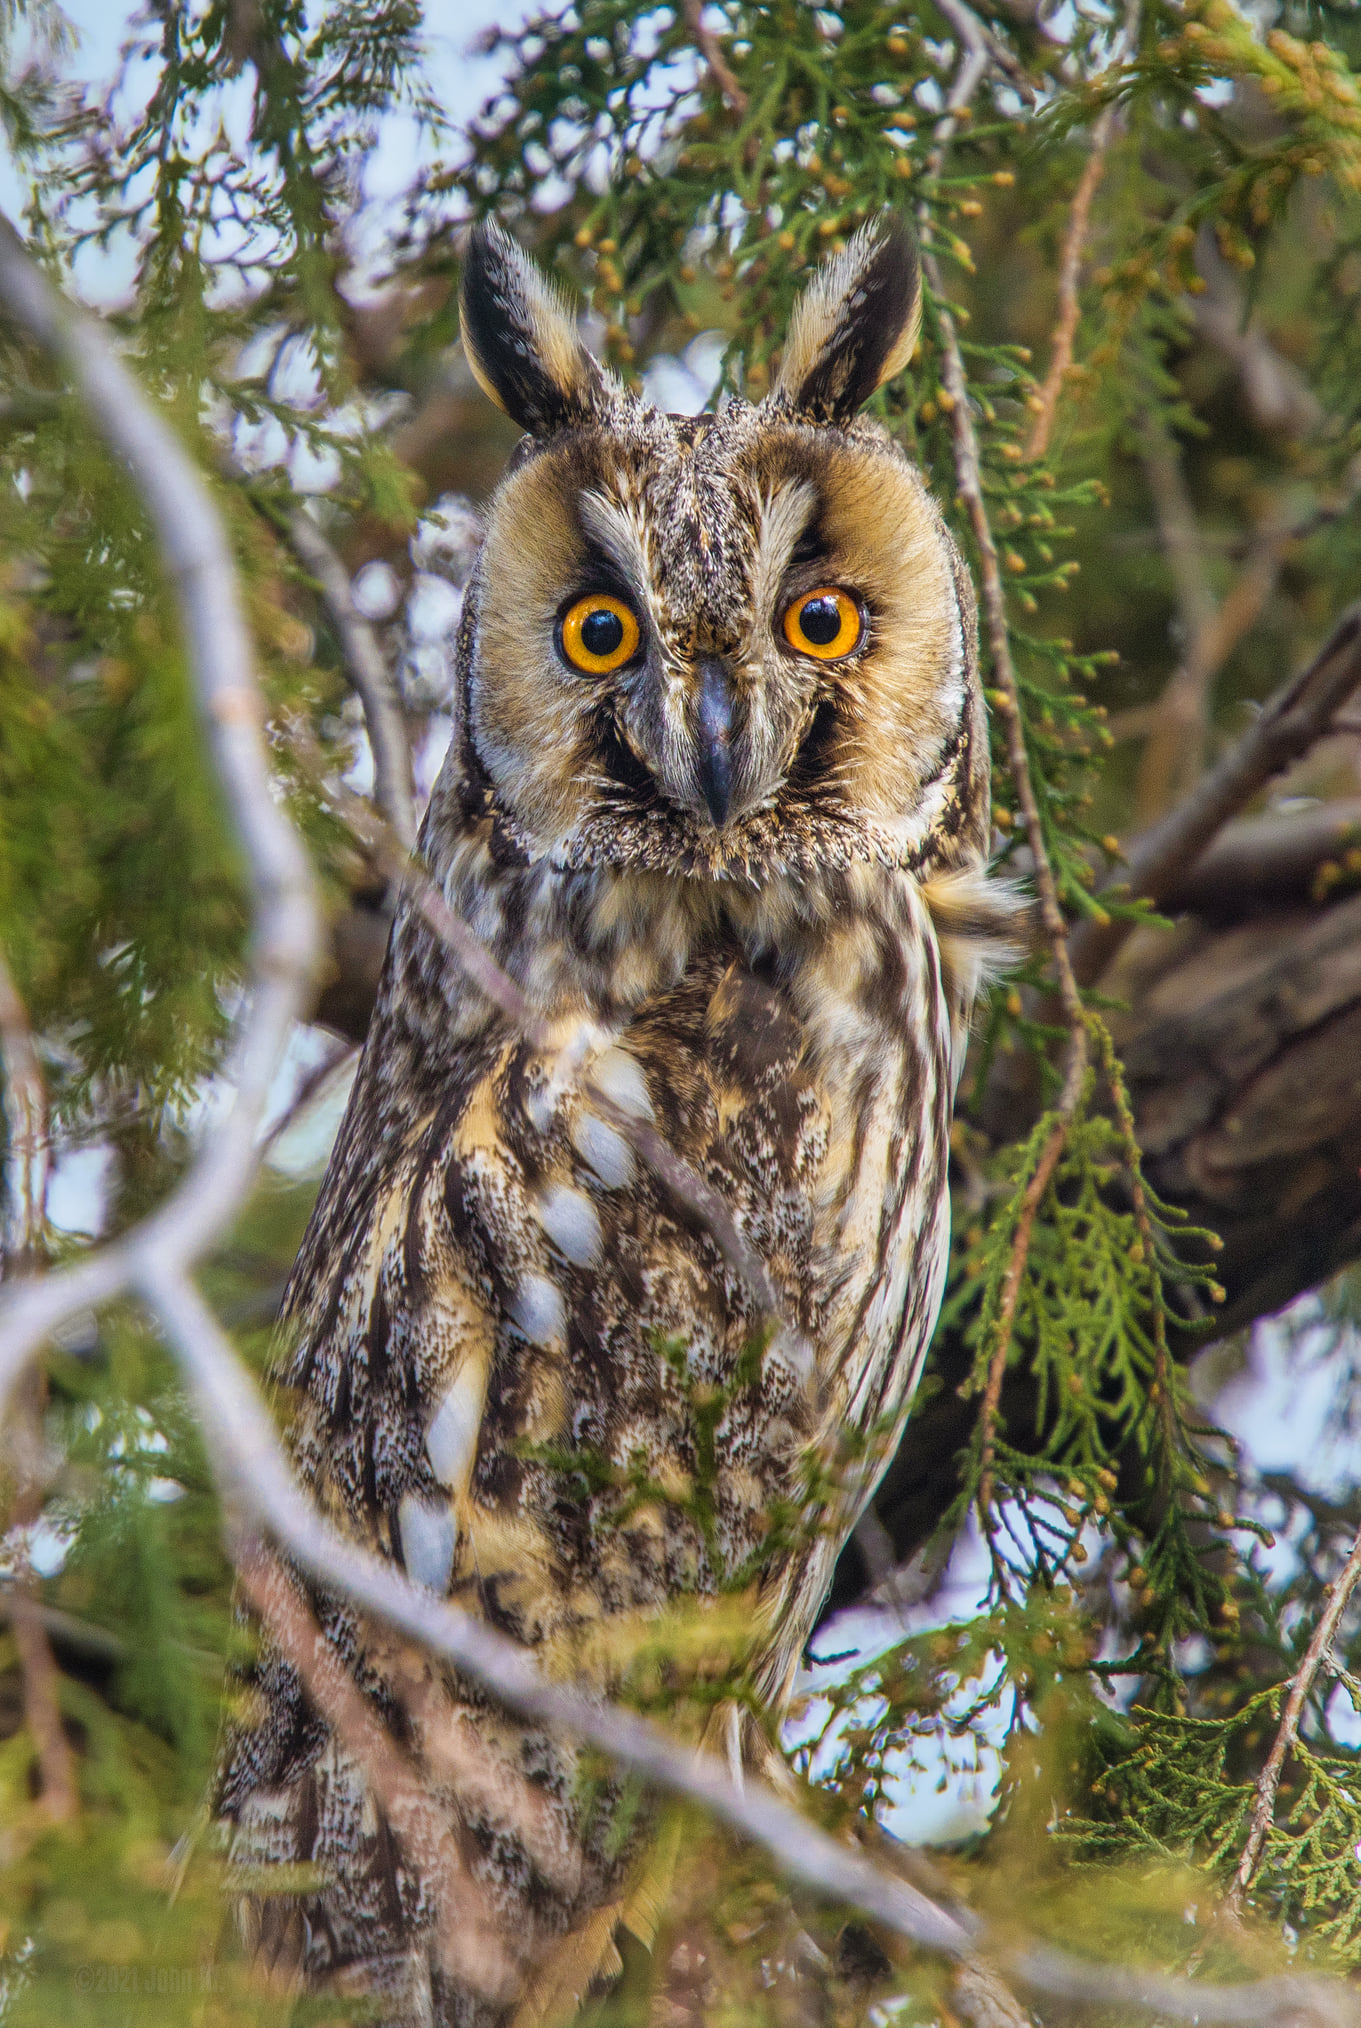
(620, 1077)
(538, 1310)
(568, 1217)
(428, 1540)
(601, 1149)
(451, 1438)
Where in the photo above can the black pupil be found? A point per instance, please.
(602, 632)
(820, 621)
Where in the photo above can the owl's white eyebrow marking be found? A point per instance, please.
(620, 534)
(784, 514)
(429, 1538)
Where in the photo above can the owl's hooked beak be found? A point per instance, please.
(714, 757)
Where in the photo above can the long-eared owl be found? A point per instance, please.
(717, 802)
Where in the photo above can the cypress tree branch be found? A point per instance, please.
(1070, 275)
(1289, 723)
(27, 1150)
(366, 667)
(58, 1792)
(711, 49)
(1007, 703)
(1301, 1683)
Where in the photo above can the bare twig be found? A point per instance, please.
(367, 670)
(1070, 274)
(416, 1816)
(711, 49)
(27, 1152)
(1173, 757)
(1074, 247)
(980, 41)
(1011, 1289)
(64, 1630)
(1259, 861)
(59, 1794)
(1335, 1603)
(1007, 704)
(319, 1076)
(1289, 2002)
(1277, 393)
(1289, 723)
(1178, 724)
(26, 1456)
(1210, 628)
(1178, 528)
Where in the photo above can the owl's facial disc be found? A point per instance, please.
(716, 646)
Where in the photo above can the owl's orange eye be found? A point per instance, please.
(826, 622)
(599, 634)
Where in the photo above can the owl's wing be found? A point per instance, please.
(524, 1370)
(512, 1360)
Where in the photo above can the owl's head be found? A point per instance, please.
(725, 646)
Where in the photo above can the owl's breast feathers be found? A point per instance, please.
(510, 1337)
(521, 1368)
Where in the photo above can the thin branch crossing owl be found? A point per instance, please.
(718, 804)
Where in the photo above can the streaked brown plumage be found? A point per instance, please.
(755, 873)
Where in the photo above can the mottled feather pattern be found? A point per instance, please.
(516, 1364)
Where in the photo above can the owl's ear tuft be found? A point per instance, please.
(521, 338)
(855, 325)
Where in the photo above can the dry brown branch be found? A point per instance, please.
(1011, 1289)
(1211, 628)
(59, 1794)
(316, 1078)
(1070, 275)
(1289, 723)
(1074, 247)
(1173, 757)
(1177, 726)
(1335, 1603)
(1290, 2002)
(26, 1119)
(711, 49)
(27, 1149)
(1006, 702)
(1266, 861)
(65, 1631)
(415, 1815)
(366, 667)
(979, 40)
